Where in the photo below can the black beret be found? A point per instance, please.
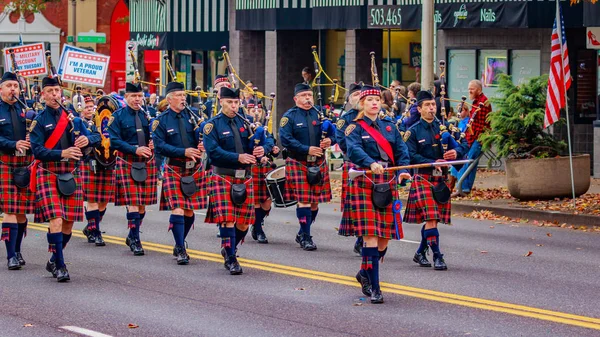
(229, 93)
(354, 87)
(424, 96)
(301, 87)
(49, 82)
(132, 88)
(174, 86)
(8, 76)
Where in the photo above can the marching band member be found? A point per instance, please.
(374, 143)
(307, 172)
(136, 172)
(213, 106)
(183, 190)
(15, 157)
(429, 196)
(98, 184)
(231, 192)
(58, 149)
(346, 225)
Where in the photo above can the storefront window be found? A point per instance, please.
(461, 70)
(525, 64)
(586, 89)
(403, 49)
(492, 63)
(335, 55)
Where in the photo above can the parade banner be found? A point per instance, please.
(30, 59)
(89, 69)
(65, 50)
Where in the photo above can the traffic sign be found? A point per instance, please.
(70, 39)
(91, 37)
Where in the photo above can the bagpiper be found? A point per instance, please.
(57, 141)
(213, 106)
(15, 158)
(136, 172)
(183, 189)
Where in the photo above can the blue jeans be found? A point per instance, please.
(474, 152)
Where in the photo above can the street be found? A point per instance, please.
(490, 289)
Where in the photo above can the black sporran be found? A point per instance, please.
(188, 186)
(441, 192)
(382, 195)
(21, 176)
(238, 194)
(139, 173)
(313, 175)
(66, 184)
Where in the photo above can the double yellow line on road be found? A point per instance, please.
(431, 295)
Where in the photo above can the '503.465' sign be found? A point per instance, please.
(394, 16)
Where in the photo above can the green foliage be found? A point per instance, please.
(518, 119)
(23, 6)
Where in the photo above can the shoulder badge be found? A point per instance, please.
(110, 120)
(406, 136)
(350, 128)
(32, 126)
(208, 128)
(340, 123)
(283, 122)
(155, 125)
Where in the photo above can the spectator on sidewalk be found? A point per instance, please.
(463, 121)
(478, 126)
(414, 117)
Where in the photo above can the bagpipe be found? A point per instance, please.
(449, 137)
(327, 121)
(29, 113)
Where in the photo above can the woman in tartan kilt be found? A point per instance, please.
(226, 139)
(424, 146)
(98, 186)
(373, 144)
(174, 134)
(300, 132)
(130, 135)
(57, 148)
(15, 155)
(346, 224)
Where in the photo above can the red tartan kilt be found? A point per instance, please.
(346, 224)
(421, 206)
(50, 204)
(14, 200)
(129, 192)
(297, 185)
(171, 196)
(369, 220)
(221, 209)
(99, 186)
(259, 174)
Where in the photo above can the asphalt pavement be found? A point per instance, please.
(490, 289)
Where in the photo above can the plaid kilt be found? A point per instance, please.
(99, 186)
(346, 224)
(368, 220)
(130, 193)
(50, 204)
(259, 174)
(297, 183)
(14, 200)
(221, 208)
(171, 196)
(421, 206)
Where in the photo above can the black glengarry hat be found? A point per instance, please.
(174, 86)
(229, 93)
(301, 87)
(354, 87)
(424, 96)
(8, 76)
(132, 88)
(49, 82)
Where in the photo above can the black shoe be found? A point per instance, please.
(62, 275)
(51, 268)
(307, 243)
(358, 246)
(365, 283)
(182, 256)
(128, 242)
(262, 238)
(377, 297)
(254, 233)
(299, 239)
(89, 234)
(136, 248)
(439, 263)
(225, 257)
(13, 263)
(421, 259)
(98, 240)
(20, 258)
(234, 266)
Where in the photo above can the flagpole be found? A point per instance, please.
(560, 28)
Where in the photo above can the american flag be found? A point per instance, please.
(560, 74)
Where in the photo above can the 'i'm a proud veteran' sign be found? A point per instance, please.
(85, 68)
(30, 59)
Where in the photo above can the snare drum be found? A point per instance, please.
(276, 187)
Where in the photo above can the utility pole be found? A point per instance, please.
(74, 4)
(427, 67)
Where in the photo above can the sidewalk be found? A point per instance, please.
(490, 200)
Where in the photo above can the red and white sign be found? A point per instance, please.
(88, 69)
(592, 36)
(30, 59)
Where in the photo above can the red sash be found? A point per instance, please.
(51, 142)
(379, 138)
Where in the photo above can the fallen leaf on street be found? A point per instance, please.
(484, 252)
(549, 234)
(300, 289)
(28, 325)
(540, 245)
(529, 253)
(133, 326)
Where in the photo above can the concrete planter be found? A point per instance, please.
(547, 178)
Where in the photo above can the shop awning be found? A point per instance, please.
(591, 14)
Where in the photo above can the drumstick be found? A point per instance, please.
(353, 174)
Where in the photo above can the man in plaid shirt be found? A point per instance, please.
(479, 125)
